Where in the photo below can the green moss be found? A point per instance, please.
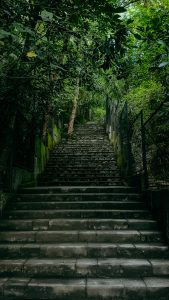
(120, 160)
(56, 135)
(42, 151)
(50, 142)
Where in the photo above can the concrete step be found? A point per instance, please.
(88, 148)
(79, 197)
(79, 157)
(94, 236)
(82, 213)
(84, 268)
(81, 173)
(76, 183)
(85, 151)
(80, 166)
(79, 177)
(146, 288)
(83, 166)
(83, 250)
(80, 205)
(77, 189)
(84, 163)
(83, 147)
(86, 180)
(62, 173)
(80, 224)
(53, 175)
(86, 155)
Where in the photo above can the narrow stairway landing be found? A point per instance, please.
(82, 233)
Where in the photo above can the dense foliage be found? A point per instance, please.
(119, 48)
(147, 55)
(45, 45)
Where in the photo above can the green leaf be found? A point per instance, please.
(137, 36)
(31, 54)
(163, 64)
(21, 28)
(13, 56)
(53, 66)
(46, 16)
(161, 42)
(4, 34)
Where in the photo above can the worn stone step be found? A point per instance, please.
(52, 177)
(80, 205)
(85, 268)
(79, 177)
(75, 213)
(79, 197)
(84, 151)
(77, 189)
(86, 155)
(94, 236)
(87, 148)
(70, 183)
(81, 157)
(80, 224)
(80, 165)
(76, 183)
(83, 250)
(84, 177)
(95, 160)
(89, 138)
(85, 165)
(98, 150)
(81, 173)
(73, 174)
(80, 144)
(85, 138)
(146, 288)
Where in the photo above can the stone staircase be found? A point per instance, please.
(82, 233)
(87, 159)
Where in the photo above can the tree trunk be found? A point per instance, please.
(74, 109)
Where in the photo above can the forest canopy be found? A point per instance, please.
(117, 48)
